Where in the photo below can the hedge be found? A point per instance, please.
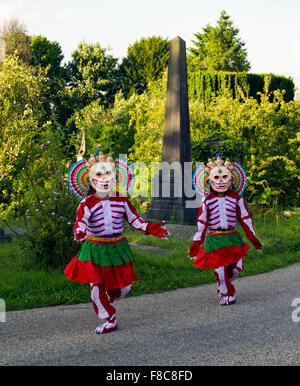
(204, 84)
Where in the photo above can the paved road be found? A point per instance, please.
(179, 328)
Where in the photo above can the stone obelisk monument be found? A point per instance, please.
(170, 200)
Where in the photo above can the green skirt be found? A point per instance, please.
(221, 251)
(108, 264)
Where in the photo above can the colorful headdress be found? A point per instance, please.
(201, 180)
(217, 163)
(78, 176)
(99, 157)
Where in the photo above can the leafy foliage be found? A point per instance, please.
(145, 62)
(109, 127)
(203, 85)
(263, 136)
(16, 40)
(44, 204)
(93, 74)
(219, 48)
(32, 163)
(22, 119)
(48, 56)
(148, 115)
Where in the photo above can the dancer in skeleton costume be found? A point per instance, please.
(105, 259)
(217, 218)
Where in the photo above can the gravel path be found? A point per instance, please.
(185, 327)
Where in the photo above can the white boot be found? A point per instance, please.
(227, 301)
(110, 325)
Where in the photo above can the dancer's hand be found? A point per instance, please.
(80, 237)
(194, 249)
(155, 229)
(257, 243)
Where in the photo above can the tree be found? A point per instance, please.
(16, 40)
(219, 48)
(22, 120)
(148, 115)
(145, 62)
(93, 74)
(33, 166)
(110, 127)
(48, 56)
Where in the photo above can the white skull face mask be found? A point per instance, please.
(102, 176)
(220, 178)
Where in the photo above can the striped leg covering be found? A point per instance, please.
(120, 293)
(101, 302)
(225, 287)
(233, 270)
(226, 275)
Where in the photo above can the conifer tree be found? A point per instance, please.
(219, 48)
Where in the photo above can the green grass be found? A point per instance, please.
(24, 286)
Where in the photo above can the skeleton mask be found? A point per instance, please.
(102, 176)
(220, 178)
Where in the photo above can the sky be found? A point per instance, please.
(270, 29)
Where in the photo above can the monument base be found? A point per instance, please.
(172, 210)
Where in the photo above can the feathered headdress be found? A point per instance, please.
(217, 163)
(99, 157)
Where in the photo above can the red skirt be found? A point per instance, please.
(221, 250)
(110, 277)
(108, 264)
(220, 257)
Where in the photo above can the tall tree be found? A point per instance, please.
(16, 40)
(48, 56)
(219, 48)
(22, 118)
(146, 61)
(93, 74)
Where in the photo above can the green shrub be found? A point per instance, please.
(203, 85)
(261, 135)
(109, 127)
(226, 146)
(43, 204)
